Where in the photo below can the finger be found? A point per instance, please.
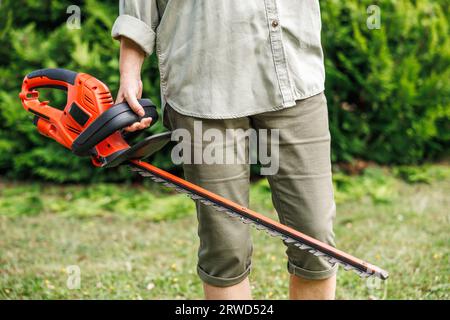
(134, 127)
(142, 125)
(134, 104)
(120, 97)
(139, 95)
(146, 122)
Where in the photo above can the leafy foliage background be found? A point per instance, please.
(388, 90)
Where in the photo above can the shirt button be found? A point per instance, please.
(275, 23)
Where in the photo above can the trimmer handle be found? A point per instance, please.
(114, 119)
(51, 78)
(61, 79)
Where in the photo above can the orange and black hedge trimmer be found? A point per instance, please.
(90, 125)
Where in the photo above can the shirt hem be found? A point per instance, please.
(297, 97)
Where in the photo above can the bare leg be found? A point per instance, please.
(302, 289)
(240, 291)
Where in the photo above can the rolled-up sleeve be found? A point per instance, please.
(137, 20)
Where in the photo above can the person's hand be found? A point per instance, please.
(131, 59)
(130, 91)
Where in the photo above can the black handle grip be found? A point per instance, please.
(117, 117)
(55, 74)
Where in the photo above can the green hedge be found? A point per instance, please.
(388, 89)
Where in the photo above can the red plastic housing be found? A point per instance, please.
(89, 94)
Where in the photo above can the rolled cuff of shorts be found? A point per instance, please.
(310, 274)
(222, 282)
(136, 30)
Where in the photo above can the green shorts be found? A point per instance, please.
(302, 191)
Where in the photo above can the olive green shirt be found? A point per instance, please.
(224, 59)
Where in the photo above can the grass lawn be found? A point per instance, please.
(139, 242)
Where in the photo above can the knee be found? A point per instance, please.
(321, 230)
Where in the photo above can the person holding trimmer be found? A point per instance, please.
(236, 64)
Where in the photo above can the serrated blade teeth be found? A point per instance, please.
(359, 273)
(332, 260)
(343, 264)
(302, 246)
(347, 267)
(232, 214)
(288, 240)
(273, 233)
(145, 174)
(206, 202)
(219, 208)
(316, 253)
(260, 227)
(245, 220)
(363, 274)
(168, 184)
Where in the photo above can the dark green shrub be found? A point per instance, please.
(388, 89)
(34, 35)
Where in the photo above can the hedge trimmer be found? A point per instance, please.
(91, 125)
